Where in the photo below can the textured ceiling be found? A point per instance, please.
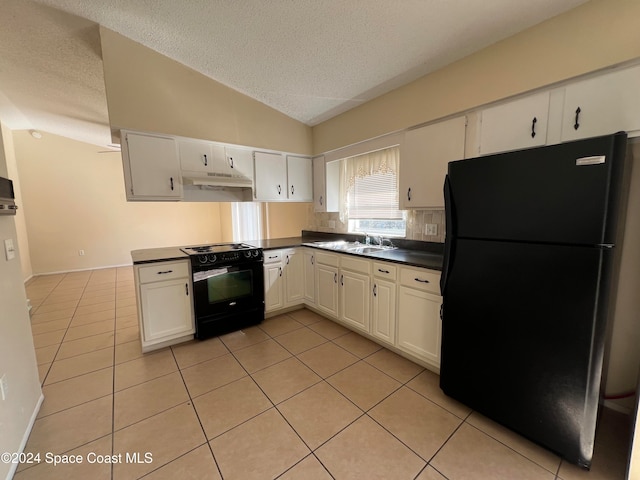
(310, 59)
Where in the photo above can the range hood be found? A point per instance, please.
(217, 180)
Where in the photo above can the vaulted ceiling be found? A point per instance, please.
(310, 59)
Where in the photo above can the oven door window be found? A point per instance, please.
(230, 286)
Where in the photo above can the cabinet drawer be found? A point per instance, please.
(385, 270)
(272, 256)
(163, 271)
(327, 259)
(347, 262)
(425, 280)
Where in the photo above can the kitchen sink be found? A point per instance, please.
(368, 249)
(351, 247)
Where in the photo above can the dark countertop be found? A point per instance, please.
(151, 255)
(414, 253)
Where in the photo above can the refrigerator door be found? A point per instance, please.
(564, 193)
(523, 337)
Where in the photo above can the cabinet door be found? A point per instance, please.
(355, 299)
(273, 294)
(327, 293)
(166, 310)
(300, 179)
(518, 124)
(202, 157)
(319, 185)
(152, 167)
(419, 324)
(240, 161)
(423, 162)
(602, 105)
(309, 272)
(270, 176)
(384, 310)
(294, 279)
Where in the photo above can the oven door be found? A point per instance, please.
(220, 291)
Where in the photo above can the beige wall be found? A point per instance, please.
(17, 355)
(593, 36)
(149, 92)
(286, 219)
(21, 225)
(74, 199)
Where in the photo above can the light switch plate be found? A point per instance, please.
(431, 229)
(9, 249)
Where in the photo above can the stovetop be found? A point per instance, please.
(216, 248)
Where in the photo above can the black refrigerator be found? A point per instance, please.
(526, 280)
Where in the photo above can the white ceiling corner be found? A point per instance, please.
(310, 59)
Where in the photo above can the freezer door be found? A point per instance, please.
(523, 336)
(564, 193)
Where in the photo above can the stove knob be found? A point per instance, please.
(247, 254)
(212, 258)
(256, 253)
(202, 258)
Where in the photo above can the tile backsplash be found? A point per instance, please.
(416, 223)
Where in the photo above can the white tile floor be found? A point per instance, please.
(298, 397)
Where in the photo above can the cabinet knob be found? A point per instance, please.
(576, 125)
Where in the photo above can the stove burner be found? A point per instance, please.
(216, 248)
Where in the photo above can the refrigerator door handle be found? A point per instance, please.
(448, 208)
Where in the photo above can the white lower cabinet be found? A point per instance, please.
(327, 284)
(419, 324)
(355, 292)
(309, 274)
(273, 281)
(383, 305)
(164, 304)
(293, 277)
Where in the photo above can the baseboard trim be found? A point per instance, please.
(25, 437)
(82, 270)
(618, 408)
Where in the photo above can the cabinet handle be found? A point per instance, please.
(342, 280)
(291, 189)
(409, 194)
(280, 270)
(279, 190)
(577, 124)
(274, 256)
(231, 162)
(287, 259)
(335, 278)
(206, 162)
(186, 289)
(421, 281)
(320, 200)
(171, 179)
(312, 260)
(375, 290)
(383, 271)
(165, 271)
(533, 127)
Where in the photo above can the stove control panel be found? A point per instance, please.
(228, 258)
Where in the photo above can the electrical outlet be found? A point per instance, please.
(332, 224)
(81, 252)
(431, 229)
(4, 387)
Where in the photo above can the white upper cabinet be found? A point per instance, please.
(270, 176)
(300, 179)
(280, 178)
(240, 161)
(423, 162)
(319, 184)
(202, 157)
(602, 105)
(151, 167)
(518, 124)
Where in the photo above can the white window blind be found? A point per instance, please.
(370, 193)
(247, 221)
